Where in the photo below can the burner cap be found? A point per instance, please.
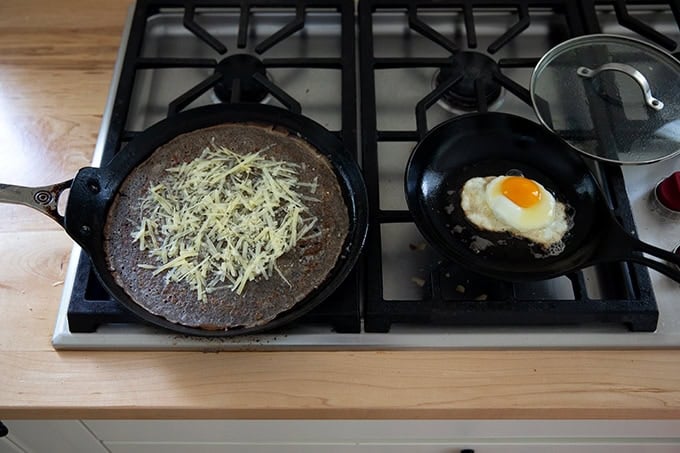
(241, 67)
(473, 66)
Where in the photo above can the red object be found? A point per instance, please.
(668, 192)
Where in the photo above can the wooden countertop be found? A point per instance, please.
(56, 60)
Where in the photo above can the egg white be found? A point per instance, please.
(486, 207)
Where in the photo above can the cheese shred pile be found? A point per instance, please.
(223, 219)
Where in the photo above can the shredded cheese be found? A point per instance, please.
(223, 219)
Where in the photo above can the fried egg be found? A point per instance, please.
(520, 202)
(518, 205)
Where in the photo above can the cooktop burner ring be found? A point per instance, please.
(474, 67)
(237, 71)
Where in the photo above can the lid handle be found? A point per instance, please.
(650, 100)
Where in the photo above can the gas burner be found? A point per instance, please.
(462, 96)
(241, 68)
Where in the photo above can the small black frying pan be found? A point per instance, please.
(494, 144)
(93, 189)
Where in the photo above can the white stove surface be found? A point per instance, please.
(652, 228)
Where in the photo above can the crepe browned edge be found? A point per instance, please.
(305, 267)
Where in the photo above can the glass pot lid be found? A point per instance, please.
(613, 98)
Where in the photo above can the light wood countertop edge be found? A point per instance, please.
(342, 384)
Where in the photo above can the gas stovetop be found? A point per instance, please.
(379, 98)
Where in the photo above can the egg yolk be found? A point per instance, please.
(521, 191)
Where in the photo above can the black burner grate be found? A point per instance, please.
(448, 293)
(90, 305)
(636, 16)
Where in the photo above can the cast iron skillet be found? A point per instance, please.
(93, 189)
(492, 144)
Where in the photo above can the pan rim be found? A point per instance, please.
(342, 163)
(427, 225)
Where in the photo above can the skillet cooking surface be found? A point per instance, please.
(493, 144)
(305, 267)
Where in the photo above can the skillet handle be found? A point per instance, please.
(620, 245)
(671, 271)
(45, 199)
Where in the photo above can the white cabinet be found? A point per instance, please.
(52, 436)
(7, 446)
(323, 448)
(343, 436)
